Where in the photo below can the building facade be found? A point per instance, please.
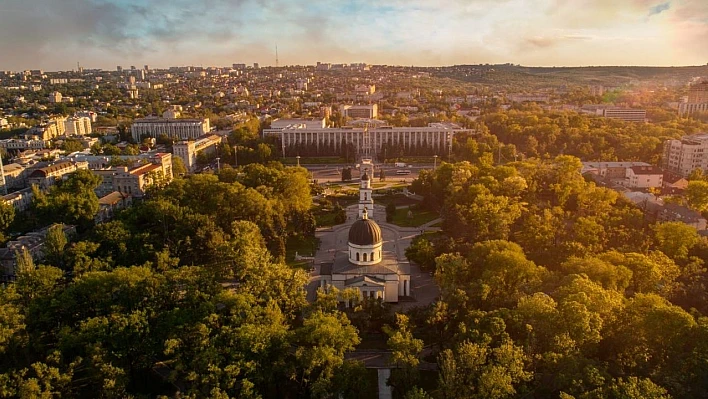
(188, 150)
(697, 100)
(48, 176)
(626, 114)
(181, 129)
(77, 126)
(360, 111)
(380, 141)
(686, 155)
(644, 177)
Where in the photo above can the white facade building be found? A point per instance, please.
(182, 129)
(366, 203)
(686, 155)
(189, 149)
(644, 177)
(77, 126)
(436, 137)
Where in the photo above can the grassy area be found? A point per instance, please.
(303, 246)
(418, 218)
(414, 160)
(313, 160)
(325, 219)
(397, 199)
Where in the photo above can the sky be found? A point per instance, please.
(56, 34)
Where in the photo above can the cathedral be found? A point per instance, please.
(364, 265)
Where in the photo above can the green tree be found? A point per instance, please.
(178, 168)
(480, 370)
(70, 145)
(405, 353)
(697, 195)
(675, 239)
(54, 245)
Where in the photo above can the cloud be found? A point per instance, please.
(54, 34)
(659, 8)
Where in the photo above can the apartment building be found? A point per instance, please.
(644, 177)
(697, 100)
(47, 176)
(188, 150)
(360, 111)
(181, 129)
(686, 155)
(77, 126)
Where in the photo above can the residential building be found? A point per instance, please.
(524, 98)
(644, 177)
(610, 170)
(182, 129)
(686, 155)
(364, 90)
(188, 150)
(360, 111)
(674, 182)
(77, 126)
(46, 176)
(55, 97)
(697, 100)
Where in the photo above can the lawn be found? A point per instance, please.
(419, 217)
(304, 246)
(397, 199)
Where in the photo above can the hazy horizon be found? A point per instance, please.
(55, 35)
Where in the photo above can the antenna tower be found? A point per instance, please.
(276, 55)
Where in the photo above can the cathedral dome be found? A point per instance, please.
(365, 232)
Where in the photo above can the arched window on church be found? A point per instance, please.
(357, 256)
(372, 256)
(364, 256)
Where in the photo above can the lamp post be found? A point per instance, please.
(298, 161)
(218, 165)
(236, 155)
(435, 162)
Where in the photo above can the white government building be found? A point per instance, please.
(367, 139)
(181, 129)
(364, 265)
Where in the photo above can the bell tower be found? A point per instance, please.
(365, 200)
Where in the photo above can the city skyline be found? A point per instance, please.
(103, 34)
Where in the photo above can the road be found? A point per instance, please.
(333, 173)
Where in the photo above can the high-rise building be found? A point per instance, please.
(698, 93)
(55, 97)
(78, 126)
(360, 111)
(686, 155)
(256, 65)
(147, 67)
(697, 100)
(119, 68)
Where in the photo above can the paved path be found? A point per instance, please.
(396, 240)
